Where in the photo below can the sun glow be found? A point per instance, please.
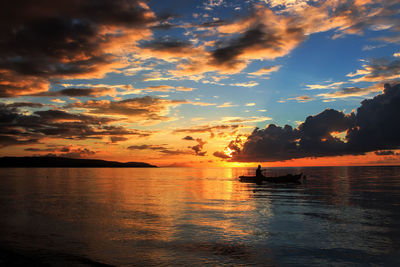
(228, 152)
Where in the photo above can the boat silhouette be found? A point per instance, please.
(289, 178)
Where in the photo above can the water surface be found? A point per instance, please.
(187, 216)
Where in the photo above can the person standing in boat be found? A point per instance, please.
(259, 172)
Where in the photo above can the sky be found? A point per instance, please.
(202, 83)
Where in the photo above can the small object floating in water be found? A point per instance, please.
(289, 178)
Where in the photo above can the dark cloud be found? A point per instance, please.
(79, 92)
(313, 138)
(161, 149)
(215, 23)
(17, 128)
(164, 26)
(374, 127)
(386, 153)
(6, 140)
(43, 39)
(189, 138)
(63, 151)
(316, 137)
(168, 48)
(25, 104)
(60, 115)
(377, 122)
(199, 147)
(146, 147)
(175, 152)
(221, 155)
(167, 45)
(78, 153)
(236, 47)
(257, 38)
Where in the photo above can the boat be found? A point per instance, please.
(289, 178)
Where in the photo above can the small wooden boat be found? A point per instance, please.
(289, 178)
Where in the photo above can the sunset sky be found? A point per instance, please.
(186, 83)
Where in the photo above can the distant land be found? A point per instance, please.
(60, 162)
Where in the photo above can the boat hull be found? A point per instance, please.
(278, 179)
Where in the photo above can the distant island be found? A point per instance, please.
(60, 162)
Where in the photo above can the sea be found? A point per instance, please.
(337, 216)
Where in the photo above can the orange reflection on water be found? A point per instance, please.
(152, 203)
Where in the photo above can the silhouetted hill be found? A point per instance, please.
(60, 162)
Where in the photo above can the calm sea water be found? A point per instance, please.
(183, 216)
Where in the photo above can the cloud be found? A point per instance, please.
(189, 138)
(184, 89)
(161, 149)
(371, 47)
(287, 4)
(168, 49)
(13, 84)
(377, 124)
(42, 40)
(248, 84)
(147, 147)
(159, 88)
(335, 85)
(386, 153)
(210, 129)
(221, 155)
(265, 70)
(395, 39)
(116, 139)
(352, 92)
(199, 147)
(175, 152)
(63, 151)
(167, 88)
(226, 105)
(273, 31)
(18, 127)
(7, 140)
(377, 71)
(80, 92)
(374, 127)
(313, 138)
(58, 101)
(25, 104)
(145, 108)
(245, 119)
(302, 99)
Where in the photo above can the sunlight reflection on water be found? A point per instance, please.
(173, 216)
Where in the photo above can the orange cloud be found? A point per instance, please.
(377, 71)
(13, 84)
(265, 70)
(268, 34)
(352, 92)
(81, 41)
(145, 108)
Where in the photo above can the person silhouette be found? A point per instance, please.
(259, 172)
